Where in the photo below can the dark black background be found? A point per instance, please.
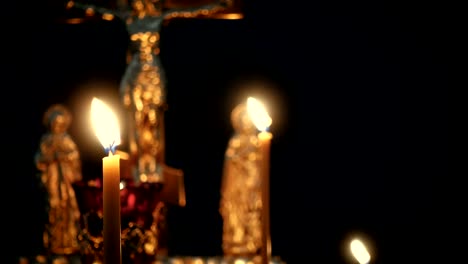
(357, 92)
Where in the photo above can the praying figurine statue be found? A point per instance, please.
(58, 161)
(143, 86)
(241, 193)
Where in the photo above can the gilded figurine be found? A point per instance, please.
(58, 161)
(241, 193)
(143, 86)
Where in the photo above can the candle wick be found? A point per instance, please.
(112, 148)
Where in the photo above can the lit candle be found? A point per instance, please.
(261, 119)
(106, 127)
(359, 251)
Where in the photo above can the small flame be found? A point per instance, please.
(240, 261)
(258, 114)
(105, 125)
(359, 251)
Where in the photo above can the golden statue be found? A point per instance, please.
(241, 191)
(58, 161)
(143, 86)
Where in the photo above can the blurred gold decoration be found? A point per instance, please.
(58, 161)
(174, 187)
(91, 239)
(231, 9)
(143, 89)
(241, 190)
(143, 86)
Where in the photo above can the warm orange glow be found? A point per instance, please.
(107, 16)
(74, 21)
(89, 12)
(230, 16)
(123, 155)
(70, 4)
(359, 251)
(105, 124)
(258, 114)
(240, 261)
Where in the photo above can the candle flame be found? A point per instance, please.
(258, 114)
(359, 251)
(105, 125)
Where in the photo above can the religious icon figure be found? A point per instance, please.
(58, 161)
(143, 86)
(241, 193)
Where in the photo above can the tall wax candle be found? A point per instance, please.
(111, 209)
(107, 130)
(262, 121)
(265, 142)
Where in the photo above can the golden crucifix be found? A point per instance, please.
(143, 86)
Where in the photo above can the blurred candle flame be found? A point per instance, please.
(105, 125)
(258, 114)
(359, 251)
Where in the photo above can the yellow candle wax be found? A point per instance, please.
(106, 127)
(265, 143)
(111, 209)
